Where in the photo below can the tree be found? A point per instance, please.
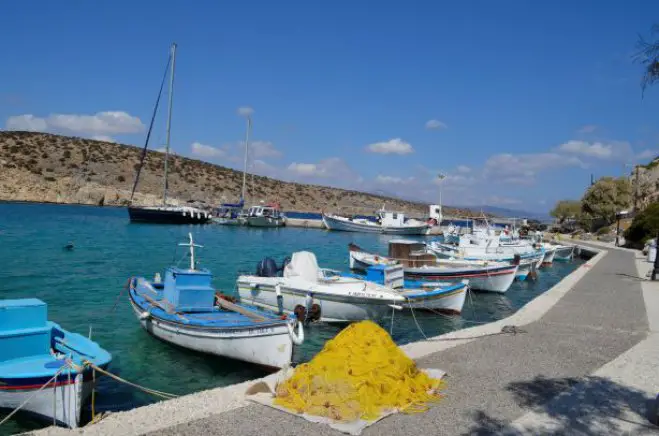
(644, 226)
(648, 56)
(606, 197)
(566, 209)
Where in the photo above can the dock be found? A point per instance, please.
(581, 359)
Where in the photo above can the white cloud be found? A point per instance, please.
(588, 128)
(102, 123)
(304, 169)
(261, 149)
(245, 111)
(206, 151)
(495, 200)
(521, 169)
(647, 154)
(464, 169)
(393, 146)
(435, 125)
(598, 150)
(392, 180)
(26, 122)
(104, 138)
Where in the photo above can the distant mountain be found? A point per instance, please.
(510, 213)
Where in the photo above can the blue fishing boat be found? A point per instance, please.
(44, 369)
(186, 311)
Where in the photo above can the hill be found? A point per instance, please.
(43, 167)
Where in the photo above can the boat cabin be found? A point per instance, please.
(24, 329)
(267, 211)
(410, 253)
(188, 290)
(391, 219)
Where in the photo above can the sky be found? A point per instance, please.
(516, 102)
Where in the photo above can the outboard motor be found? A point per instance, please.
(267, 268)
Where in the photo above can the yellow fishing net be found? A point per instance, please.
(361, 373)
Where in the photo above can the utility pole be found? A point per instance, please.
(636, 190)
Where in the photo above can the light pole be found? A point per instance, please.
(441, 178)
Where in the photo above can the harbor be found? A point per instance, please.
(581, 357)
(328, 221)
(85, 286)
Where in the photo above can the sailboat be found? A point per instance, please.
(165, 213)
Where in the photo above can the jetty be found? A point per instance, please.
(579, 359)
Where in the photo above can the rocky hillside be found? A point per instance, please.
(42, 167)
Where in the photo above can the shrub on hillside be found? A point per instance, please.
(644, 226)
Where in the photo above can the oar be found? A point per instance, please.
(235, 308)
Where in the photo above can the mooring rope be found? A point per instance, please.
(13, 412)
(155, 392)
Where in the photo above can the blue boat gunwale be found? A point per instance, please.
(271, 319)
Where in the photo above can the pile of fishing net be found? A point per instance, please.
(361, 374)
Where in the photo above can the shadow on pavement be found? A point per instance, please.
(588, 406)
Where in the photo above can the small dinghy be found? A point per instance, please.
(44, 368)
(185, 311)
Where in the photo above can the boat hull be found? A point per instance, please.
(451, 301)
(266, 222)
(261, 292)
(166, 216)
(61, 401)
(351, 226)
(228, 221)
(564, 253)
(550, 253)
(270, 345)
(490, 279)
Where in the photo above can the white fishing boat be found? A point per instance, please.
(329, 295)
(527, 262)
(387, 222)
(563, 253)
(330, 298)
(550, 253)
(185, 311)
(421, 265)
(265, 216)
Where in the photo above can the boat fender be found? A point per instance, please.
(395, 306)
(145, 315)
(299, 338)
(280, 299)
(308, 302)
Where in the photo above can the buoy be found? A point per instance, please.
(69, 246)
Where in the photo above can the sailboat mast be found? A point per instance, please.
(249, 127)
(169, 119)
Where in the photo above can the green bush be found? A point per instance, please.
(644, 226)
(604, 230)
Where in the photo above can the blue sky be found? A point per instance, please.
(518, 102)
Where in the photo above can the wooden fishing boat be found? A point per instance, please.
(184, 311)
(43, 367)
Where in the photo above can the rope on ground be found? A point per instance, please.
(13, 412)
(505, 330)
(155, 392)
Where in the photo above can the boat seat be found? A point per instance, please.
(42, 365)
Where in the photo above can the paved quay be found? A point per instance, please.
(584, 363)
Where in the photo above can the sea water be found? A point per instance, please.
(85, 290)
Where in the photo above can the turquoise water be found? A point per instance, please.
(82, 289)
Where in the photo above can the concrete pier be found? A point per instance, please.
(583, 362)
